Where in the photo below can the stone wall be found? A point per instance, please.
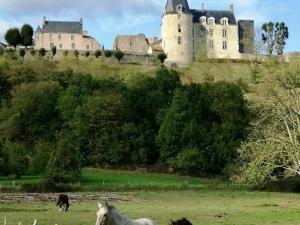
(131, 43)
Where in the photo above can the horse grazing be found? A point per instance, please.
(109, 215)
(63, 202)
(182, 221)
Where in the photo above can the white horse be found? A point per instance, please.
(109, 215)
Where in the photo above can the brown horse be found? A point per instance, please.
(63, 202)
(182, 221)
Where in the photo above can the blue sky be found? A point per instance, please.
(104, 19)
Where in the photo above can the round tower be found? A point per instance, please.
(177, 33)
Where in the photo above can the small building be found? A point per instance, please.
(64, 35)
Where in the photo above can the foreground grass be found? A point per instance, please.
(201, 207)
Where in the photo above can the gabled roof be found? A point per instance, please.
(171, 6)
(217, 14)
(62, 27)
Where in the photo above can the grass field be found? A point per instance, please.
(201, 207)
(115, 180)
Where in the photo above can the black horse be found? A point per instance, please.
(182, 221)
(63, 202)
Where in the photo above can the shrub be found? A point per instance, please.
(32, 52)
(53, 50)
(161, 57)
(119, 55)
(42, 52)
(22, 52)
(1, 51)
(108, 53)
(76, 53)
(98, 53)
(87, 54)
(65, 53)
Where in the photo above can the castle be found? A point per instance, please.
(188, 34)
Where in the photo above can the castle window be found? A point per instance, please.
(224, 33)
(224, 22)
(73, 46)
(211, 33)
(179, 40)
(179, 8)
(203, 20)
(211, 21)
(59, 37)
(87, 47)
(60, 46)
(72, 37)
(51, 45)
(224, 45)
(211, 44)
(179, 28)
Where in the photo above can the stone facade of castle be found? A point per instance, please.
(188, 34)
(64, 36)
(137, 44)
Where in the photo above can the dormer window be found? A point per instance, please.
(211, 21)
(224, 22)
(179, 8)
(203, 20)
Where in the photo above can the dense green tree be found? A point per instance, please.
(13, 37)
(32, 113)
(162, 57)
(281, 34)
(22, 53)
(42, 52)
(119, 55)
(268, 36)
(65, 161)
(4, 86)
(26, 35)
(98, 53)
(53, 50)
(210, 118)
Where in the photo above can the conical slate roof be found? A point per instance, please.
(171, 6)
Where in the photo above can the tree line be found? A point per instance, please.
(55, 123)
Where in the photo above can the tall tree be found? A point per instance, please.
(281, 34)
(271, 151)
(26, 34)
(268, 36)
(13, 37)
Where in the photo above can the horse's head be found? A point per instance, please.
(102, 213)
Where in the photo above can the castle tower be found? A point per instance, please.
(177, 33)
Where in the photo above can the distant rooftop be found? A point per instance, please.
(61, 27)
(217, 14)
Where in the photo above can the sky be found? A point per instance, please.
(104, 19)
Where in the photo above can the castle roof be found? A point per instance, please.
(171, 6)
(217, 14)
(62, 27)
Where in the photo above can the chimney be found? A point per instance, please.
(81, 20)
(231, 8)
(202, 7)
(44, 21)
